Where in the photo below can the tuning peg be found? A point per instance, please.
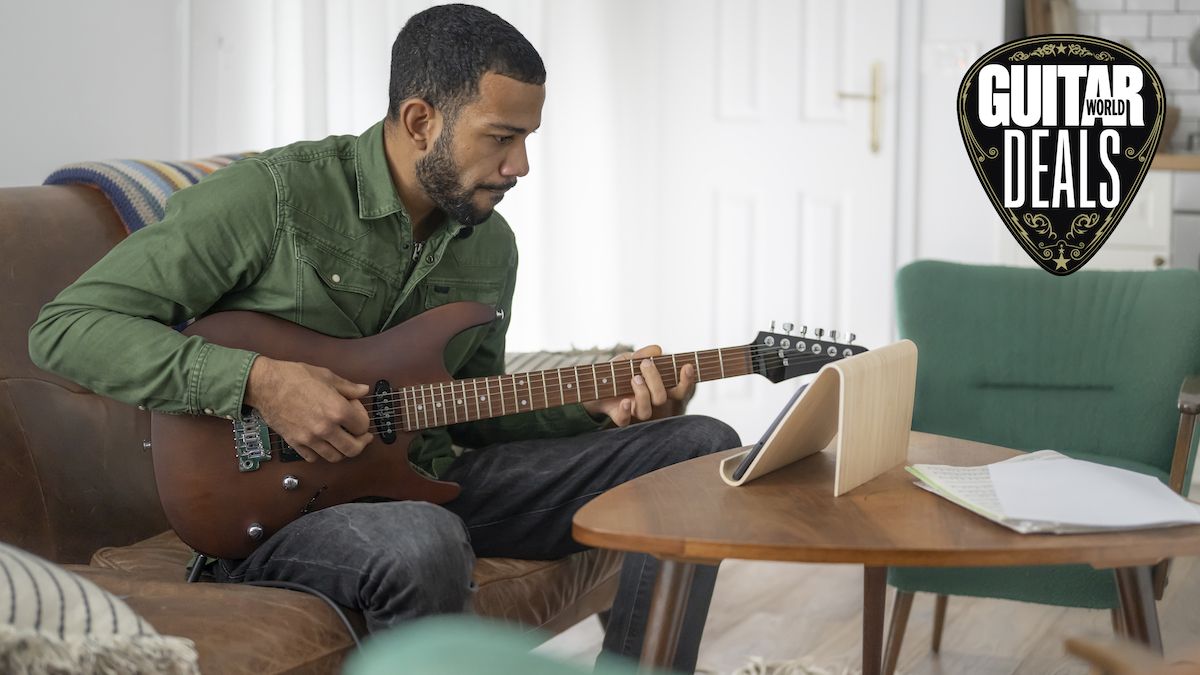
(803, 331)
(853, 337)
(772, 326)
(820, 333)
(833, 335)
(787, 328)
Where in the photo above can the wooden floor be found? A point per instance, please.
(781, 611)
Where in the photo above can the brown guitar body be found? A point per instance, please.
(217, 509)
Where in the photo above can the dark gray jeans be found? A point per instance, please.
(396, 561)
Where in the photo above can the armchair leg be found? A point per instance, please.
(1118, 622)
(901, 608)
(939, 622)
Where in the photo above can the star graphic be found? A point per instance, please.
(1061, 50)
(1060, 263)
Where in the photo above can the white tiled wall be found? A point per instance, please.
(1159, 30)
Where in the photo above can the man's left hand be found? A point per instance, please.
(651, 399)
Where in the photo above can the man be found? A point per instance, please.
(349, 237)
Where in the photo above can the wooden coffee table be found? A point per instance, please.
(685, 515)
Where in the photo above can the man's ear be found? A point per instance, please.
(419, 122)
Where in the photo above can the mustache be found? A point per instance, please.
(502, 187)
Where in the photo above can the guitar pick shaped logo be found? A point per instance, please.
(1061, 130)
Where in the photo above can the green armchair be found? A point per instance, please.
(1089, 364)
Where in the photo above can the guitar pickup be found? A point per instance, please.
(385, 412)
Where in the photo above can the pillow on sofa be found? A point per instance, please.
(53, 621)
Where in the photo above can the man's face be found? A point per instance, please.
(472, 164)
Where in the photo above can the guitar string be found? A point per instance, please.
(373, 419)
(708, 357)
(376, 419)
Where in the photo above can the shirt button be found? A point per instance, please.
(337, 278)
(141, 407)
(429, 259)
(208, 411)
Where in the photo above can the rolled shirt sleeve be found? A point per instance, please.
(111, 332)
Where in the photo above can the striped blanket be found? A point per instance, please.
(138, 188)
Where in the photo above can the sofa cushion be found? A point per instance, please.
(547, 594)
(237, 629)
(59, 622)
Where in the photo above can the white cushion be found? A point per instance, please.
(54, 621)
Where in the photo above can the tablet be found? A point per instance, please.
(749, 458)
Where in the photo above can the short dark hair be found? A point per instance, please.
(441, 54)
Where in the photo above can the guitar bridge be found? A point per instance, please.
(251, 441)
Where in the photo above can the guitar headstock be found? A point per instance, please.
(782, 356)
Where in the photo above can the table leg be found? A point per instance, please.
(1135, 588)
(874, 603)
(666, 613)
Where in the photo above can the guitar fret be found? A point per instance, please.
(674, 366)
(475, 397)
(721, 357)
(454, 401)
(595, 381)
(516, 394)
(613, 367)
(562, 398)
(696, 358)
(500, 385)
(404, 401)
(488, 396)
(421, 408)
(578, 396)
(545, 394)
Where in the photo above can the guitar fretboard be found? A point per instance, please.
(445, 403)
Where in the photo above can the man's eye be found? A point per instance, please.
(502, 140)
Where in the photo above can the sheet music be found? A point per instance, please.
(1060, 496)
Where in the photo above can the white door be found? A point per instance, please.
(773, 200)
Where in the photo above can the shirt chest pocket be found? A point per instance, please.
(334, 295)
(444, 291)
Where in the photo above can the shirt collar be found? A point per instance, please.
(377, 196)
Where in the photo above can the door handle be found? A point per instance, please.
(876, 98)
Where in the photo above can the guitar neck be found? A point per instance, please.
(445, 403)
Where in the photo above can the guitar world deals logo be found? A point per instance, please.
(1061, 130)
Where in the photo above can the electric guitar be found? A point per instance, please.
(228, 485)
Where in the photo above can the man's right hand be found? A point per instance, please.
(316, 412)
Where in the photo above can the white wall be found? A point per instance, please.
(1159, 30)
(88, 80)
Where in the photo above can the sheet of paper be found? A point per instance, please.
(1076, 493)
(971, 486)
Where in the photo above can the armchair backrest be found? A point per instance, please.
(1088, 363)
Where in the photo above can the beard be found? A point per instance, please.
(439, 176)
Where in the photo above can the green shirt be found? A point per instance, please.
(313, 232)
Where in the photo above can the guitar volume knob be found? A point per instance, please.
(255, 531)
(290, 482)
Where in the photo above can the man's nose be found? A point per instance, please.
(516, 162)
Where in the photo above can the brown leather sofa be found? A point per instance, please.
(78, 485)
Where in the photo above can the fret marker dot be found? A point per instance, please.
(520, 381)
(482, 398)
(459, 401)
(522, 401)
(420, 407)
(570, 386)
(437, 405)
(604, 381)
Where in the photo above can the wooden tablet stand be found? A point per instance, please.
(865, 401)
